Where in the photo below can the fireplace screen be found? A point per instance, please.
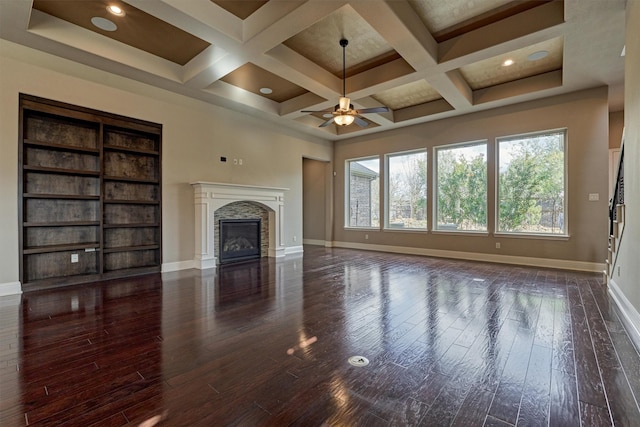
(239, 239)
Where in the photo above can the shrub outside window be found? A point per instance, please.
(406, 190)
(461, 183)
(363, 193)
(531, 183)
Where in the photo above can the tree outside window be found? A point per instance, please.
(363, 193)
(406, 194)
(531, 186)
(461, 182)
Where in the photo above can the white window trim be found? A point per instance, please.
(385, 223)
(434, 215)
(347, 193)
(542, 236)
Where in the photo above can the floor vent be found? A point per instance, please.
(358, 361)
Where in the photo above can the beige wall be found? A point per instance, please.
(195, 136)
(314, 199)
(628, 278)
(584, 114)
(616, 125)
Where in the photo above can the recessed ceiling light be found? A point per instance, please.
(538, 55)
(103, 24)
(507, 62)
(266, 90)
(116, 10)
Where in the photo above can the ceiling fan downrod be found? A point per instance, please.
(344, 43)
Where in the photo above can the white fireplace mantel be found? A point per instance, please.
(210, 196)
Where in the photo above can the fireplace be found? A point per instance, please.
(211, 196)
(239, 240)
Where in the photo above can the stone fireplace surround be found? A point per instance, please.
(210, 196)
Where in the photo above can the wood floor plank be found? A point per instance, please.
(563, 399)
(534, 406)
(616, 384)
(590, 387)
(506, 402)
(449, 342)
(474, 409)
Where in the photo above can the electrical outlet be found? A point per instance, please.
(498, 245)
(74, 257)
(594, 197)
(240, 162)
(366, 237)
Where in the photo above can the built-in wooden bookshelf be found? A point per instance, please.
(90, 195)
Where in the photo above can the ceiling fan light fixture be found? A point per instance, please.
(344, 119)
(343, 113)
(344, 103)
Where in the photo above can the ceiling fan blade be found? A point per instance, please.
(361, 122)
(374, 110)
(327, 123)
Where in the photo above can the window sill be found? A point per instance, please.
(563, 237)
(461, 233)
(405, 230)
(362, 228)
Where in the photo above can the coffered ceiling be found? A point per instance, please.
(423, 59)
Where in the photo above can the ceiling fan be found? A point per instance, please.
(343, 113)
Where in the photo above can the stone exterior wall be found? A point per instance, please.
(244, 210)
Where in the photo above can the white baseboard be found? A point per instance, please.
(168, 267)
(314, 242)
(630, 316)
(594, 267)
(290, 250)
(10, 288)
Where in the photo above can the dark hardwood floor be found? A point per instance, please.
(265, 343)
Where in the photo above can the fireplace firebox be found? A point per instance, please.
(239, 240)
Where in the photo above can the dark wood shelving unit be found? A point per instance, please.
(90, 195)
(131, 150)
(62, 147)
(131, 248)
(129, 179)
(60, 223)
(59, 248)
(132, 225)
(60, 196)
(134, 202)
(76, 172)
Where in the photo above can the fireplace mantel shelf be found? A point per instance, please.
(248, 187)
(210, 196)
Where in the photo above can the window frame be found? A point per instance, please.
(434, 220)
(387, 175)
(347, 192)
(534, 235)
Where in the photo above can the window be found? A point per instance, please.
(531, 183)
(406, 190)
(461, 183)
(363, 192)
